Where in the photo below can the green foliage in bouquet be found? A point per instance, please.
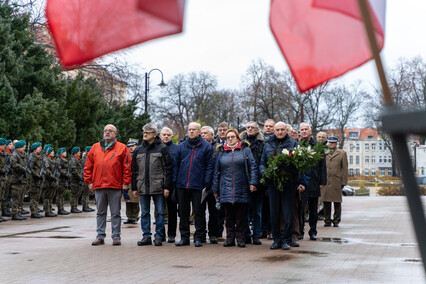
(302, 158)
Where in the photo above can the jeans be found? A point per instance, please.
(255, 203)
(145, 201)
(105, 197)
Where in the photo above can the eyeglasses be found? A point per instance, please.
(251, 127)
(149, 132)
(231, 137)
(109, 130)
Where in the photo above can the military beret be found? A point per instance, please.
(46, 147)
(61, 150)
(20, 144)
(75, 150)
(2, 141)
(49, 150)
(87, 149)
(332, 139)
(8, 141)
(34, 146)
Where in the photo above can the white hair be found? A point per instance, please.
(280, 123)
(305, 124)
(165, 128)
(195, 123)
(211, 130)
(150, 126)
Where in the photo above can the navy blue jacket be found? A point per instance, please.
(234, 172)
(173, 149)
(271, 148)
(194, 163)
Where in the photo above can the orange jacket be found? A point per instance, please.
(110, 168)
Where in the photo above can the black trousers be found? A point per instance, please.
(213, 224)
(172, 216)
(236, 221)
(185, 196)
(313, 214)
(282, 205)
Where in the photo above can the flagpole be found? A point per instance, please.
(398, 138)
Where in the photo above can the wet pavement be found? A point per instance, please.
(375, 243)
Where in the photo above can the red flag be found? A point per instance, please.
(321, 39)
(84, 30)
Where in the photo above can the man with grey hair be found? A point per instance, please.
(152, 173)
(193, 172)
(108, 171)
(322, 137)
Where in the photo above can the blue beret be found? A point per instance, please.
(75, 150)
(50, 149)
(46, 147)
(34, 146)
(332, 139)
(87, 149)
(20, 144)
(8, 141)
(61, 150)
(2, 141)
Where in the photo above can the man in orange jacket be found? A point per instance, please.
(107, 172)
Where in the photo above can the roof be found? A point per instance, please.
(362, 133)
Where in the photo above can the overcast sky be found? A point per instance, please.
(223, 37)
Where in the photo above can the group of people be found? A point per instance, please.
(42, 174)
(220, 174)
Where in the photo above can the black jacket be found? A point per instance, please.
(318, 175)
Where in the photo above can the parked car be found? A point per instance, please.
(348, 191)
(421, 180)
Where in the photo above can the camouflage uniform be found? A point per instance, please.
(18, 181)
(86, 191)
(7, 194)
(36, 164)
(49, 186)
(75, 182)
(3, 158)
(62, 187)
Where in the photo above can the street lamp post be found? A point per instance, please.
(162, 85)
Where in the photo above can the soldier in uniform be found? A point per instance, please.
(86, 191)
(3, 158)
(35, 180)
(18, 180)
(49, 185)
(62, 175)
(75, 178)
(5, 202)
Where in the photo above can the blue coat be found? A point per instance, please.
(271, 148)
(234, 172)
(194, 163)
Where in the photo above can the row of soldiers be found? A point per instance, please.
(44, 175)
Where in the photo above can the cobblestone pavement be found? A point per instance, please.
(374, 244)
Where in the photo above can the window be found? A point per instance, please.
(373, 173)
(351, 147)
(367, 146)
(373, 159)
(373, 146)
(380, 146)
(357, 147)
(353, 134)
(390, 159)
(382, 172)
(357, 172)
(367, 159)
(389, 172)
(384, 159)
(357, 160)
(367, 172)
(351, 160)
(351, 172)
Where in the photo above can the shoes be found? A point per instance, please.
(247, 240)
(158, 242)
(321, 217)
(19, 218)
(213, 240)
(198, 243)
(50, 214)
(75, 210)
(275, 246)
(241, 244)
(6, 213)
(23, 212)
(116, 242)
(127, 221)
(40, 210)
(182, 243)
(98, 242)
(192, 223)
(145, 242)
(171, 240)
(36, 215)
(87, 209)
(229, 244)
(294, 244)
(3, 219)
(327, 224)
(313, 237)
(335, 224)
(134, 222)
(285, 246)
(270, 237)
(63, 212)
(256, 241)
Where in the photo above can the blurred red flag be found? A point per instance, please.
(84, 30)
(322, 39)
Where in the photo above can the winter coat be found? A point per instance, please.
(235, 170)
(318, 176)
(256, 147)
(109, 168)
(152, 168)
(194, 164)
(272, 148)
(337, 175)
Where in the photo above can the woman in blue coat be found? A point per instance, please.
(235, 174)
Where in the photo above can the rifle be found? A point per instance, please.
(81, 182)
(67, 181)
(27, 168)
(42, 172)
(55, 173)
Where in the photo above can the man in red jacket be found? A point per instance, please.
(107, 172)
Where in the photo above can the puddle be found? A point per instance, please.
(275, 258)
(33, 232)
(334, 240)
(413, 260)
(314, 253)
(182, 266)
